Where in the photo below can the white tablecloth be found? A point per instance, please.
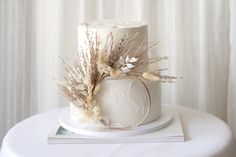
(205, 136)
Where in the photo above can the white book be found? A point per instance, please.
(173, 132)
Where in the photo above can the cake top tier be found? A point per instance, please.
(113, 24)
(102, 30)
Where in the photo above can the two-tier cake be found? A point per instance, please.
(110, 85)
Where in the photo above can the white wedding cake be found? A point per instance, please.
(110, 85)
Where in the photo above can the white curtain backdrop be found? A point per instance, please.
(198, 35)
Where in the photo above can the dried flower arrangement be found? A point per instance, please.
(91, 66)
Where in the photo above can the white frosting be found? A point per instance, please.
(125, 102)
(119, 29)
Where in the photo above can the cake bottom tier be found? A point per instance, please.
(125, 103)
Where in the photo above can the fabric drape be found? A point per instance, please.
(198, 35)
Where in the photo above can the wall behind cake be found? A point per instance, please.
(198, 36)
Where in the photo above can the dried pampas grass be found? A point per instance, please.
(91, 66)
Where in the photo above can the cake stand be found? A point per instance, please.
(67, 123)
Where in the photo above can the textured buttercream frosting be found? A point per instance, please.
(119, 30)
(125, 102)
